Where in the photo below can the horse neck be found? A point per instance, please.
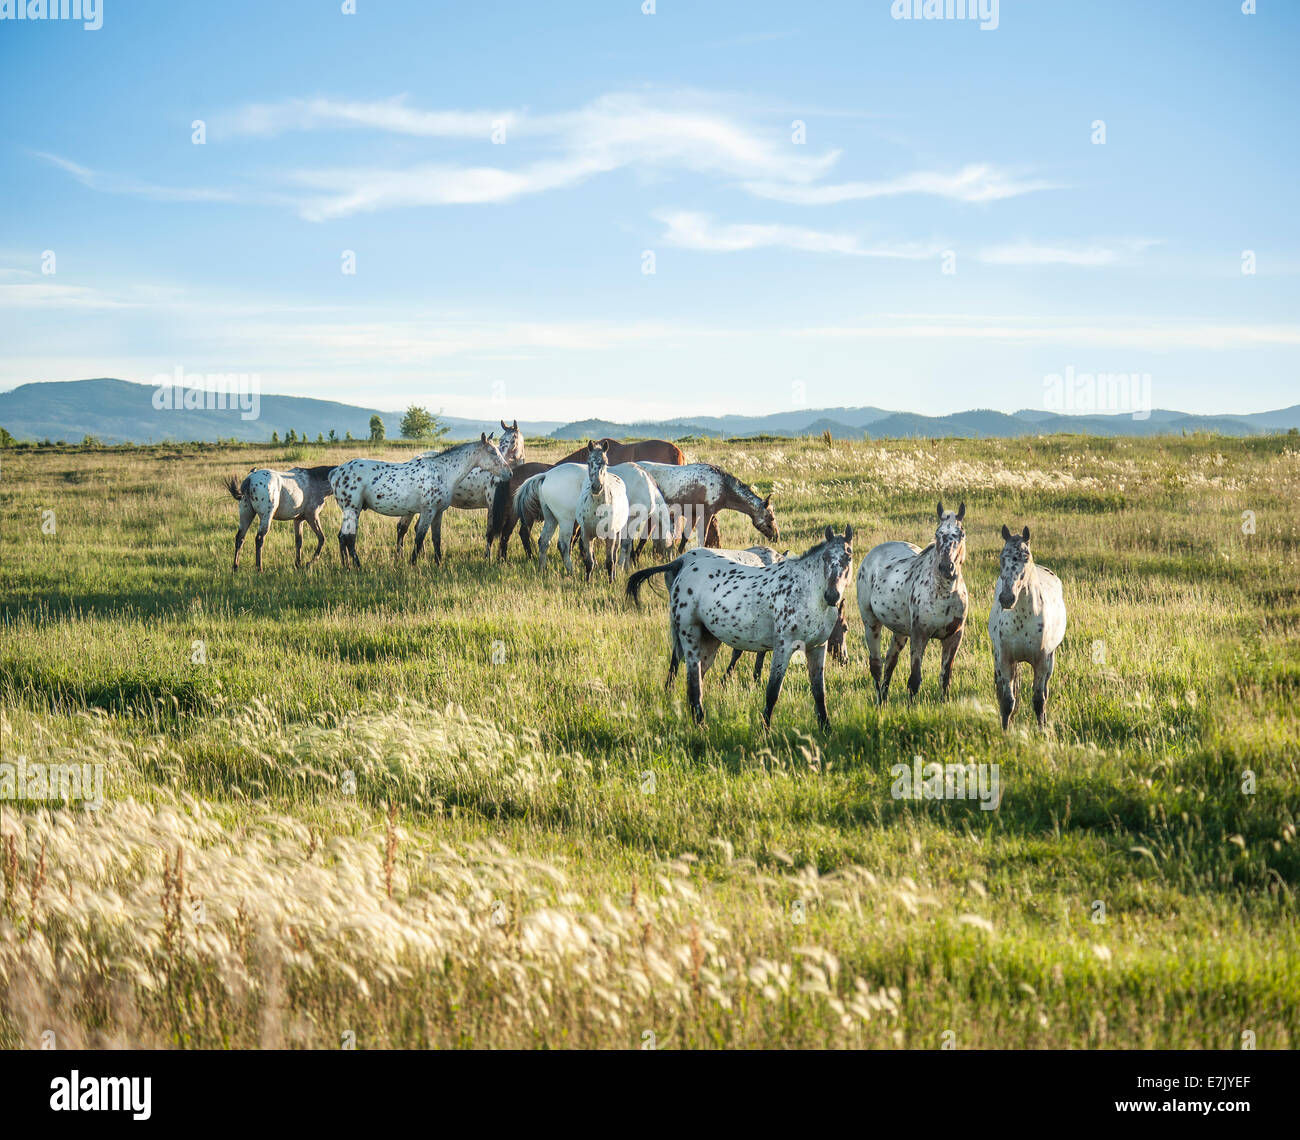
(939, 586)
(460, 464)
(742, 499)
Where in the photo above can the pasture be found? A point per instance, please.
(454, 807)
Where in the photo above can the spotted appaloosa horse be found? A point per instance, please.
(918, 595)
(1026, 623)
(423, 485)
(474, 492)
(299, 494)
(698, 491)
(502, 517)
(552, 495)
(602, 512)
(790, 605)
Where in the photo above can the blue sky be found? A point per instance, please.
(507, 277)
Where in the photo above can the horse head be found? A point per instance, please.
(1016, 561)
(488, 457)
(596, 464)
(837, 564)
(511, 444)
(950, 542)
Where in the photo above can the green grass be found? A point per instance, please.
(544, 890)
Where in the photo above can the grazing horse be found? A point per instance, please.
(424, 485)
(552, 496)
(790, 605)
(704, 490)
(1026, 623)
(602, 511)
(474, 492)
(917, 595)
(501, 516)
(297, 494)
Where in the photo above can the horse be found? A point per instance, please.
(299, 494)
(552, 495)
(602, 511)
(501, 515)
(424, 485)
(779, 608)
(706, 489)
(1026, 623)
(917, 595)
(474, 492)
(648, 513)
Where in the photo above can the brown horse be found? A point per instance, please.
(501, 517)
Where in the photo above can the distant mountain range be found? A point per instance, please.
(116, 411)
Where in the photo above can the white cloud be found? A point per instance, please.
(688, 230)
(974, 183)
(1089, 256)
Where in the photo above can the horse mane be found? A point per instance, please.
(434, 454)
(322, 472)
(738, 487)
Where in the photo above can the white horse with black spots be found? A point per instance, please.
(602, 512)
(424, 485)
(474, 492)
(917, 595)
(790, 605)
(1026, 623)
(696, 492)
(299, 494)
(552, 496)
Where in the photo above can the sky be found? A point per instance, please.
(578, 209)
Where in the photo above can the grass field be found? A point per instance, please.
(443, 807)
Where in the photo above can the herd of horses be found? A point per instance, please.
(623, 495)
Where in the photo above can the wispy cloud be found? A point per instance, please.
(117, 184)
(689, 230)
(1088, 256)
(974, 183)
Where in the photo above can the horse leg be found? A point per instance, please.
(610, 544)
(896, 643)
(817, 679)
(872, 625)
(759, 658)
(950, 646)
(1004, 676)
(736, 655)
(297, 543)
(313, 521)
(262, 528)
(692, 638)
(421, 529)
(246, 517)
(1042, 675)
(919, 642)
(548, 529)
(712, 533)
(403, 525)
(775, 677)
(437, 539)
(566, 551)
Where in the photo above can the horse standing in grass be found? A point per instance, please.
(552, 495)
(474, 492)
(917, 595)
(790, 605)
(702, 490)
(1026, 623)
(648, 515)
(299, 494)
(424, 485)
(502, 517)
(602, 512)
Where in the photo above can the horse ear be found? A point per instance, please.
(590, 445)
(1006, 534)
(961, 511)
(514, 426)
(483, 437)
(830, 533)
(768, 501)
(848, 534)
(503, 426)
(1026, 534)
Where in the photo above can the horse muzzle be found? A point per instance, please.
(1007, 600)
(832, 596)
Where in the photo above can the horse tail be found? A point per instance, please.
(499, 509)
(526, 503)
(238, 491)
(668, 570)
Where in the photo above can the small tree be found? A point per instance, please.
(6, 440)
(292, 437)
(275, 437)
(334, 436)
(376, 429)
(419, 423)
(348, 437)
